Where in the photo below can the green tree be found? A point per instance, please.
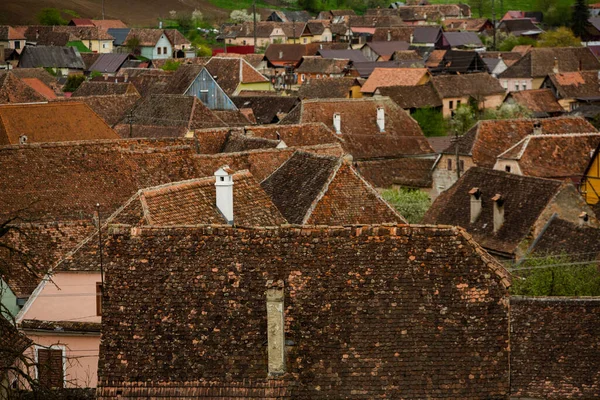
(558, 15)
(431, 121)
(133, 44)
(579, 19)
(507, 111)
(464, 118)
(511, 41)
(185, 21)
(556, 276)
(171, 65)
(73, 82)
(561, 37)
(50, 16)
(412, 204)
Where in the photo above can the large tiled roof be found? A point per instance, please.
(319, 65)
(382, 77)
(109, 62)
(83, 32)
(326, 88)
(146, 37)
(554, 156)
(385, 49)
(51, 57)
(266, 109)
(524, 200)
(176, 38)
(146, 81)
(407, 97)
(540, 61)
(488, 139)
(396, 33)
(230, 72)
(475, 85)
(13, 90)
(323, 190)
(412, 172)
(180, 81)
(185, 316)
(554, 347)
(12, 344)
(107, 24)
(582, 85)
(359, 131)
(563, 238)
(38, 73)
(52, 122)
(538, 101)
(40, 87)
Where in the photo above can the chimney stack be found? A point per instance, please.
(475, 195)
(337, 123)
(498, 212)
(224, 189)
(584, 219)
(389, 36)
(555, 67)
(537, 128)
(381, 118)
(411, 38)
(275, 331)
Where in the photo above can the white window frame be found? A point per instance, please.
(61, 347)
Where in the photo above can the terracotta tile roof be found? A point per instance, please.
(39, 247)
(40, 88)
(281, 53)
(60, 326)
(109, 23)
(236, 142)
(547, 329)
(577, 85)
(12, 344)
(412, 172)
(554, 156)
(319, 65)
(475, 85)
(176, 38)
(407, 55)
(522, 48)
(81, 22)
(193, 202)
(382, 77)
(230, 72)
(9, 33)
(233, 117)
(435, 58)
(356, 299)
(91, 88)
(407, 97)
(359, 131)
(465, 24)
(487, 139)
(38, 73)
(561, 237)
(180, 81)
(52, 122)
(440, 143)
(147, 37)
(13, 90)
(146, 81)
(396, 33)
(326, 88)
(374, 21)
(524, 200)
(539, 62)
(386, 49)
(111, 108)
(266, 109)
(83, 32)
(537, 101)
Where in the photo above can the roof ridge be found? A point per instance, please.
(323, 190)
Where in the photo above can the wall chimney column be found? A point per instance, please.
(498, 212)
(537, 128)
(337, 123)
(224, 189)
(555, 67)
(381, 119)
(475, 195)
(584, 219)
(275, 331)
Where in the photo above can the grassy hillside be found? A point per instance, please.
(133, 12)
(502, 6)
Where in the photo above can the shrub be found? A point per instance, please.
(410, 203)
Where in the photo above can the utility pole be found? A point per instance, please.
(254, 16)
(494, 21)
(102, 9)
(130, 120)
(294, 27)
(457, 156)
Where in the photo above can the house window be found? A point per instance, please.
(304, 40)
(517, 86)
(98, 298)
(457, 103)
(449, 165)
(318, 76)
(523, 85)
(451, 104)
(462, 165)
(505, 84)
(164, 50)
(204, 96)
(574, 106)
(17, 44)
(507, 168)
(50, 367)
(302, 77)
(350, 94)
(158, 50)
(104, 45)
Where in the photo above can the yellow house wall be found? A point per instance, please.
(254, 86)
(591, 183)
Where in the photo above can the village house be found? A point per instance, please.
(531, 70)
(11, 38)
(154, 44)
(459, 40)
(62, 60)
(51, 122)
(519, 27)
(456, 90)
(267, 33)
(382, 51)
(573, 89)
(570, 155)
(234, 75)
(112, 108)
(96, 39)
(481, 26)
(335, 16)
(14, 90)
(456, 62)
(486, 140)
(316, 32)
(503, 211)
(384, 77)
(317, 67)
(541, 102)
(330, 88)
(267, 109)
(590, 183)
(281, 348)
(413, 98)
(387, 146)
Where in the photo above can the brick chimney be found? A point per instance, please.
(475, 195)
(224, 189)
(337, 123)
(498, 212)
(275, 331)
(381, 119)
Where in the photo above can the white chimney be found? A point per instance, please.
(475, 195)
(389, 36)
(584, 219)
(159, 24)
(275, 331)
(411, 38)
(537, 128)
(555, 67)
(381, 119)
(23, 139)
(224, 189)
(498, 212)
(337, 123)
